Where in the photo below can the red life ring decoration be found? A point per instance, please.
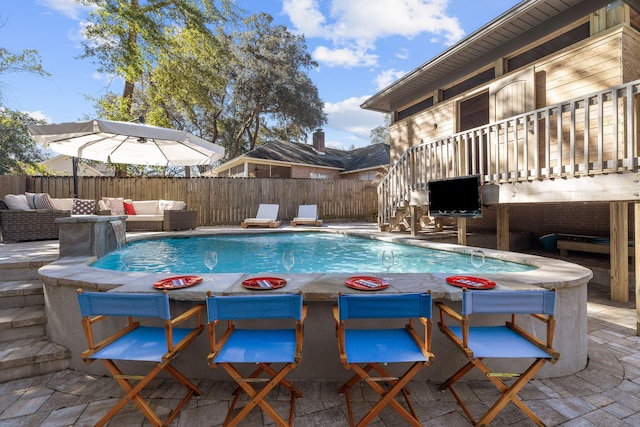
(471, 282)
(177, 282)
(264, 283)
(366, 283)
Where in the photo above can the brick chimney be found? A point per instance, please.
(318, 140)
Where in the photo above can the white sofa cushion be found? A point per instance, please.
(146, 207)
(65, 204)
(17, 201)
(171, 205)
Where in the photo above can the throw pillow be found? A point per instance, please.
(43, 201)
(128, 208)
(116, 204)
(30, 199)
(17, 202)
(83, 207)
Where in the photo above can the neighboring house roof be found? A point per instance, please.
(525, 22)
(368, 157)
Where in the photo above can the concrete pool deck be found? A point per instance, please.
(63, 277)
(604, 393)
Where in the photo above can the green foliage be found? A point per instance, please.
(380, 134)
(270, 87)
(28, 60)
(126, 37)
(18, 152)
(233, 85)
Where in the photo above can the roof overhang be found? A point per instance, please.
(247, 159)
(522, 24)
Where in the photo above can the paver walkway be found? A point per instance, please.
(606, 393)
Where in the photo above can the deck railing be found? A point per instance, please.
(594, 134)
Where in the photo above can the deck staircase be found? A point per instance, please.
(25, 350)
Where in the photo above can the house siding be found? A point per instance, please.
(630, 55)
(413, 130)
(306, 171)
(591, 66)
(602, 61)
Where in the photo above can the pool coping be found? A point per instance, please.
(549, 272)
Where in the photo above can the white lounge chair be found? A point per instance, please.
(307, 215)
(266, 217)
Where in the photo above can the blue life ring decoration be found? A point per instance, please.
(471, 282)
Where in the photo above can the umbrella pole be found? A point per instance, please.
(74, 167)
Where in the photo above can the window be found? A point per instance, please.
(474, 111)
(470, 83)
(367, 176)
(579, 33)
(318, 175)
(415, 108)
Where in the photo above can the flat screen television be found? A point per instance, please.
(455, 197)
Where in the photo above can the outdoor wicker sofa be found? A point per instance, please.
(23, 226)
(153, 215)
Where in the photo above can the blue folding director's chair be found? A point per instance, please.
(507, 340)
(257, 346)
(380, 346)
(159, 345)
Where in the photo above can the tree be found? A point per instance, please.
(18, 153)
(127, 36)
(235, 89)
(26, 61)
(380, 134)
(270, 86)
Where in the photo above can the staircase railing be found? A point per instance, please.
(589, 135)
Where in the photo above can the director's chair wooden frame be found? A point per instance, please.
(133, 342)
(374, 347)
(507, 341)
(257, 346)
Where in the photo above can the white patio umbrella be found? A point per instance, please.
(126, 142)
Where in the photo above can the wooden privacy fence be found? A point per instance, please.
(219, 201)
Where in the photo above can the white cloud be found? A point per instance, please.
(402, 53)
(69, 8)
(344, 57)
(344, 24)
(39, 115)
(387, 77)
(347, 116)
(306, 16)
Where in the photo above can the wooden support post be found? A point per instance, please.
(462, 230)
(502, 227)
(414, 223)
(636, 237)
(619, 236)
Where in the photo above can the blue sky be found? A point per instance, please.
(361, 47)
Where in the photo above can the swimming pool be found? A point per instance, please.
(314, 253)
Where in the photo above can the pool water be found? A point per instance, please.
(314, 252)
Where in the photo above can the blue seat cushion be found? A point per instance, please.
(381, 345)
(255, 345)
(499, 342)
(144, 343)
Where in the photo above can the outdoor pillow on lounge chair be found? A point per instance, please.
(307, 215)
(266, 217)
